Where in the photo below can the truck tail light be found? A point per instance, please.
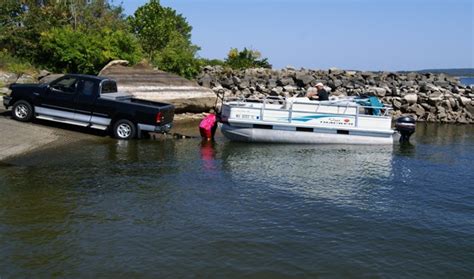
(159, 117)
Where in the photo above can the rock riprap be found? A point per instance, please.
(7, 78)
(427, 97)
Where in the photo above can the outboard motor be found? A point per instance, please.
(405, 125)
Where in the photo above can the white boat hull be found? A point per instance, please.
(251, 134)
(300, 120)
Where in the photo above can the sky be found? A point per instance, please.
(388, 35)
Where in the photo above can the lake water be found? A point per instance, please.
(467, 80)
(180, 208)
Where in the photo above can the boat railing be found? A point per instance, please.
(288, 103)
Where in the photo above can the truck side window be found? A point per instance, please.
(65, 85)
(87, 88)
(109, 87)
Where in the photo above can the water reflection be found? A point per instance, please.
(406, 149)
(348, 175)
(441, 134)
(33, 214)
(122, 150)
(208, 155)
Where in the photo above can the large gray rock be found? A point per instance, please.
(286, 81)
(43, 73)
(7, 78)
(396, 103)
(271, 83)
(147, 83)
(50, 78)
(435, 98)
(464, 100)
(418, 110)
(379, 91)
(4, 90)
(206, 80)
(411, 98)
(26, 78)
(244, 83)
(290, 88)
(303, 79)
(335, 71)
(227, 82)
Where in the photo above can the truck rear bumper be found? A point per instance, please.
(7, 101)
(151, 128)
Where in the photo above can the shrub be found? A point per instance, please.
(14, 64)
(211, 62)
(178, 57)
(86, 51)
(245, 59)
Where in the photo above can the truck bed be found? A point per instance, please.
(123, 97)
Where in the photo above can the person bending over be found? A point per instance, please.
(319, 93)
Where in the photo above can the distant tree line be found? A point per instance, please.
(82, 36)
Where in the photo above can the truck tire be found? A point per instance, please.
(22, 111)
(124, 129)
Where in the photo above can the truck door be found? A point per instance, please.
(85, 99)
(58, 100)
(86, 109)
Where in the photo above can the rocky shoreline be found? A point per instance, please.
(427, 97)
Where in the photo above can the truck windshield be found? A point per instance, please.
(109, 86)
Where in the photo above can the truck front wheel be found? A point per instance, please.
(124, 129)
(22, 111)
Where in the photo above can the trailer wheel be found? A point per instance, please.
(124, 129)
(22, 111)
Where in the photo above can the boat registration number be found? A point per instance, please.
(247, 116)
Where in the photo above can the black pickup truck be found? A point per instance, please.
(89, 101)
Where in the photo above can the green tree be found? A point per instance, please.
(25, 22)
(86, 51)
(155, 26)
(22, 24)
(178, 57)
(245, 59)
(165, 37)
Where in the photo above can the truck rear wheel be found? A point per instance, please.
(124, 129)
(22, 111)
